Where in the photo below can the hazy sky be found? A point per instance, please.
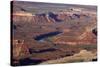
(84, 2)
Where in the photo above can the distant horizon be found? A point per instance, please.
(46, 4)
(54, 3)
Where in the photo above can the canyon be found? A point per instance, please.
(43, 33)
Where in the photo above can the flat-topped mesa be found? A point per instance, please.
(22, 13)
(21, 16)
(87, 37)
(29, 17)
(49, 17)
